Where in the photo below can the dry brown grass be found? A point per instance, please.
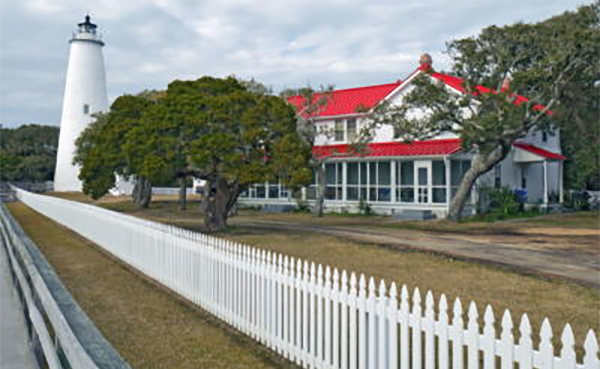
(148, 326)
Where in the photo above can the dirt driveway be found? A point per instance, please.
(570, 253)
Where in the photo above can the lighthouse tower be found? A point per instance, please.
(85, 94)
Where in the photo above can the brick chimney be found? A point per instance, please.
(506, 84)
(425, 62)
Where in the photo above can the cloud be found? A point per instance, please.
(288, 43)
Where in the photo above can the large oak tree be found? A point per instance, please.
(554, 63)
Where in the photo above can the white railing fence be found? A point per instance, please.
(318, 317)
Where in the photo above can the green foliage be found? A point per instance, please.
(28, 153)
(213, 129)
(554, 63)
(504, 201)
(101, 146)
(577, 200)
(241, 135)
(364, 208)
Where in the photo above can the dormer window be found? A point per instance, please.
(86, 109)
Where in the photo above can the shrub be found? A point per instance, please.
(364, 208)
(505, 201)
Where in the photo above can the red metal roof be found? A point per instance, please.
(349, 101)
(539, 151)
(415, 148)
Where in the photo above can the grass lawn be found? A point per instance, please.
(562, 302)
(147, 325)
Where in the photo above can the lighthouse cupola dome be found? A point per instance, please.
(87, 26)
(87, 31)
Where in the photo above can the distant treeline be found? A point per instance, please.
(28, 153)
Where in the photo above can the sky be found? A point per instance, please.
(281, 43)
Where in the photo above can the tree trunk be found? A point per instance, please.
(481, 164)
(219, 199)
(142, 192)
(320, 193)
(182, 194)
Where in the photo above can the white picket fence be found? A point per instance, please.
(316, 316)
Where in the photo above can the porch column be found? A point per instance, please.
(393, 177)
(545, 182)
(561, 197)
(344, 181)
(448, 181)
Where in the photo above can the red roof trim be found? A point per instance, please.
(384, 149)
(417, 148)
(458, 84)
(539, 151)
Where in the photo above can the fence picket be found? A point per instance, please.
(567, 353)
(327, 298)
(546, 349)
(488, 341)
(371, 325)
(353, 329)
(473, 338)
(442, 333)
(457, 335)
(392, 315)
(507, 342)
(415, 319)
(382, 327)
(404, 319)
(319, 316)
(590, 360)
(336, 302)
(524, 353)
(428, 328)
(314, 315)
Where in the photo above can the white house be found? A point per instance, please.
(395, 177)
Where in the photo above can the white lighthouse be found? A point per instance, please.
(85, 94)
